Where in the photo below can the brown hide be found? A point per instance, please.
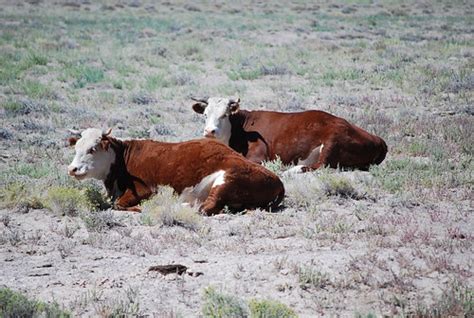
(143, 165)
(263, 135)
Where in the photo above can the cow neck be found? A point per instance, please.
(118, 174)
(238, 136)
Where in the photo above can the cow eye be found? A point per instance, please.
(91, 151)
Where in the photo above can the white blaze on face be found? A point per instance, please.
(91, 160)
(217, 119)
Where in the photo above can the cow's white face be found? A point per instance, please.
(93, 155)
(217, 112)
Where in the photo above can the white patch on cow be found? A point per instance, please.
(313, 156)
(91, 161)
(217, 119)
(200, 191)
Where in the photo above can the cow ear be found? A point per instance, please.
(199, 107)
(234, 106)
(105, 143)
(72, 141)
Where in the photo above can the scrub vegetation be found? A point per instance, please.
(392, 241)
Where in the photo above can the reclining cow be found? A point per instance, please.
(309, 139)
(203, 171)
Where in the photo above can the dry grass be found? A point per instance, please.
(383, 242)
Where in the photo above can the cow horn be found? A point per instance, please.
(105, 134)
(204, 100)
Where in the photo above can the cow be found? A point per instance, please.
(204, 172)
(309, 139)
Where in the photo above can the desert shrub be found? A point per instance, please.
(333, 184)
(303, 190)
(275, 166)
(99, 221)
(165, 208)
(14, 304)
(23, 106)
(126, 305)
(217, 305)
(67, 201)
(12, 194)
(270, 309)
(456, 301)
(310, 277)
(97, 200)
(21, 196)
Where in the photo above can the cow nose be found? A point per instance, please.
(72, 171)
(209, 132)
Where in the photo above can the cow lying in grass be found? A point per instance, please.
(309, 139)
(203, 171)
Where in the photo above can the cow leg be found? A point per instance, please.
(312, 162)
(327, 157)
(214, 202)
(129, 201)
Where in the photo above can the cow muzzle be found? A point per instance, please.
(73, 172)
(210, 133)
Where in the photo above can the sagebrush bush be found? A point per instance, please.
(99, 221)
(21, 196)
(217, 305)
(310, 277)
(67, 201)
(12, 194)
(333, 184)
(165, 208)
(270, 309)
(14, 304)
(96, 198)
(276, 166)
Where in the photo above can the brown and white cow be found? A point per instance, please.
(203, 171)
(309, 139)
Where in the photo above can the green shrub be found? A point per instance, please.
(12, 194)
(99, 221)
(310, 277)
(67, 201)
(14, 304)
(270, 309)
(96, 198)
(218, 305)
(166, 209)
(337, 185)
(276, 166)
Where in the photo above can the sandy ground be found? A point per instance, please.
(396, 240)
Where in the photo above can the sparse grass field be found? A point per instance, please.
(394, 241)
